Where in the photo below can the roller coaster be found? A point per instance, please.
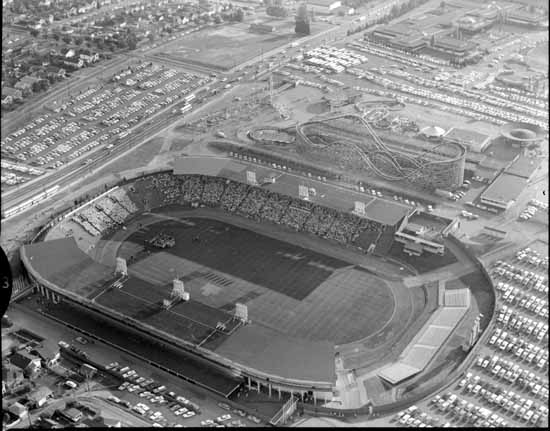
(440, 167)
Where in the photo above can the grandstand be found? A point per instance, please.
(424, 347)
(257, 203)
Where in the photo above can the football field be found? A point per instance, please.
(296, 291)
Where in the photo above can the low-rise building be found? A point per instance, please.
(38, 397)
(27, 363)
(457, 49)
(10, 95)
(472, 140)
(18, 410)
(261, 28)
(424, 232)
(324, 7)
(72, 414)
(12, 376)
(503, 191)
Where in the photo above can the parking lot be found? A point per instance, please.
(97, 117)
(166, 405)
(507, 384)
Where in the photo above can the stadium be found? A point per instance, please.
(300, 267)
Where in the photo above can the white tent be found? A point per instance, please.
(433, 131)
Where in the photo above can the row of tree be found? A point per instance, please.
(395, 12)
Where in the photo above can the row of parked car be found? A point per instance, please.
(504, 401)
(525, 278)
(528, 212)
(414, 417)
(153, 392)
(523, 379)
(463, 411)
(524, 351)
(527, 256)
(508, 318)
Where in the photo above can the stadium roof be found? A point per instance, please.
(398, 372)
(62, 263)
(505, 188)
(264, 349)
(254, 346)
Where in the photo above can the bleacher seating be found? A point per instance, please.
(257, 203)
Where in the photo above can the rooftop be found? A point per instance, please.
(523, 167)
(466, 135)
(505, 188)
(61, 262)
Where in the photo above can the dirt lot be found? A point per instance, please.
(227, 46)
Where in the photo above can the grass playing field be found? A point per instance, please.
(296, 291)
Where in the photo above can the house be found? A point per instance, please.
(47, 356)
(324, 7)
(112, 423)
(12, 94)
(18, 409)
(74, 64)
(12, 376)
(93, 58)
(39, 397)
(29, 364)
(72, 414)
(56, 72)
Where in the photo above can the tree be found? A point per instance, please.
(66, 39)
(34, 32)
(239, 15)
(302, 20)
(132, 41)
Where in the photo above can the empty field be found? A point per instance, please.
(228, 46)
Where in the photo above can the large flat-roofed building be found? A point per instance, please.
(472, 140)
(477, 21)
(423, 232)
(504, 191)
(524, 18)
(399, 36)
(454, 47)
(325, 7)
(523, 167)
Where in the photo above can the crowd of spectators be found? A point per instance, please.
(256, 203)
(107, 213)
